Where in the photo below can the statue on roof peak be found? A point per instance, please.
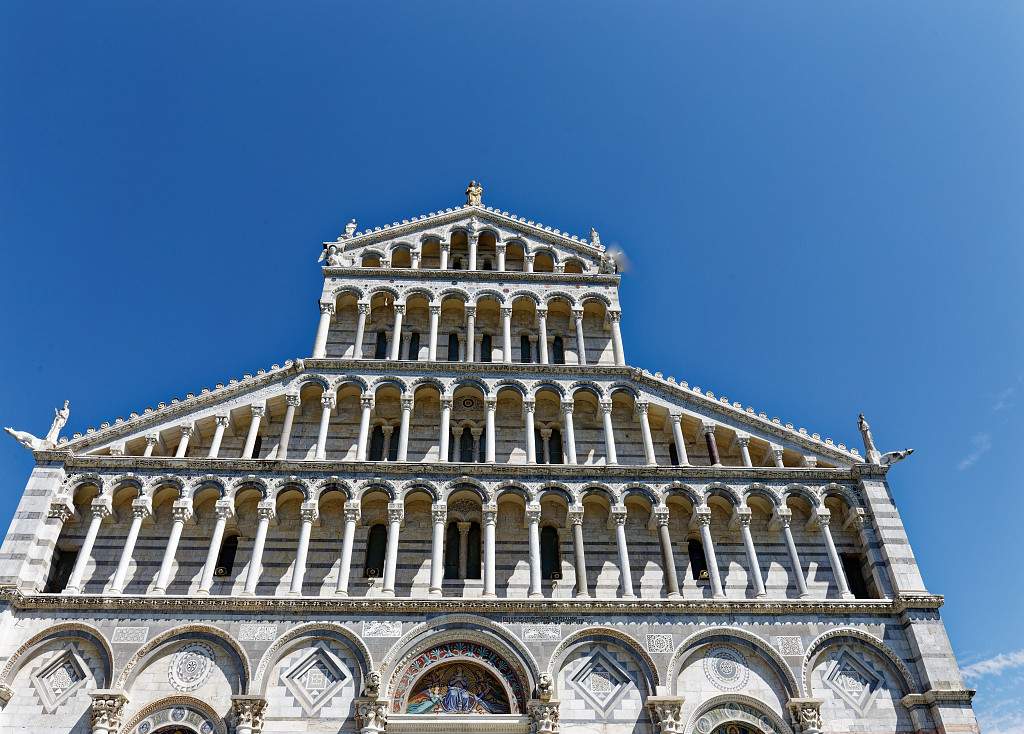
(874, 456)
(474, 194)
(34, 443)
(595, 238)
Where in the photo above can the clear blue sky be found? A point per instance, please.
(822, 203)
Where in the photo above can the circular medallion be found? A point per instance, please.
(704, 725)
(726, 668)
(144, 727)
(177, 714)
(190, 667)
(468, 402)
(206, 728)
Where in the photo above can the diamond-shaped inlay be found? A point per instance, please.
(59, 679)
(316, 678)
(853, 681)
(600, 680)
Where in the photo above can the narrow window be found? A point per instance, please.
(61, 566)
(524, 349)
(451, 551)
(538, 445)
(380, 351)
(487, 264)
(377, 444)
(555, 447)
(550, 556)
(393, 446)
(853, 567)
(414, 346)
(458, 264)
(673, 455)
(485, 348)
(481, 449)
(453, 347)
(257, 447)
(376, 547)
(698, 563)
(466, 445)
(451, 446)
(558, 350)
(473, 552)
(226, 557)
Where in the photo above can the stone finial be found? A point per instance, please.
(474, 194)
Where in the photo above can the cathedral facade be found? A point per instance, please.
(465, 512)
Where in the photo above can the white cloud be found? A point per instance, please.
(981, 443)
(1005, 399)
(1002, 722)
(994, 666)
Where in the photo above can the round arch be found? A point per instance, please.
(185, 631)
(311, 630)
(70, 630)
(732, 634)
(737, 708)
(207, 480)
(178, 711)
(419, 485)
(328, 484)
(250, 481)
(607, 634)
(378, 485)
(824, 641)
(466, 483)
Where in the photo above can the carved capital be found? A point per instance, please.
(152, 439)
(606, 407)
(575, 515)
(707, 428)
(445, 246)
(371, 715)
(446, 402)
(363, 309)
(577, 314)
(567, 407)
(702, 516)
(666, 713)
(224, 508)
(328, 401)
(293, 401)
(675, 417)
(806, 714)
(435, 310)
(396, 512)
(661, 516)
(491, 403)
(352, 512)
(407, 403)
(439, 513)
(266, 510)
(782, 517)
(106, 709)
(247, 712)
(470, 311)
(366, 401)
(101, 507)
(327, 307)
(532, 513)
(62, 507)
(181, 510)
(543, 716)
(489, 513)
(529, 405)
(506, 312)
(142, 507)
(309, 512)
(618, 515)
(615, 316)
(400, 309)
(742, 439)
(542, 313)
(258, 411)
(743, 516)
(855, 519)
(187, 431)
(222, 420)
(642, 407)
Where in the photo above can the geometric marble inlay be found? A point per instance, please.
(190, 667)
(600, 680)
(726, 668)
(315, 679)
(853, 681)
(59, 679)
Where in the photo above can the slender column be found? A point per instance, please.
(403, 428)
(396, 337)
(327, 403)
(351, 513)
(151, 441)
(490, 515)
(141, 509)
(581, 346)
(542, 334)
(668, 561)
(529, 262)
(476, 445)
(322, 328)
(709, 438)
(439, 514)
(292, 402)
(308, 514)
(470, 333)
(100, 511)
(492, 406)
(776, 452)
(180, 512)
(415, 257)
(609, 434)
(645, 431)
(389, 431)
(782, 519)
(363, 310)
(545, 445)
(186, 434)
(265, 513)
(444, 248)
(703, 517)
(500, 249)
(615, 317)
(529, 407)
(506, 332)
(258, 411)
(743, 441)
(224, 509)
(743, 515)
(446, 430)
(364, 426)
(618, 516)
(533, 525)
(575, 518)
(218, 435)
(463, 549)
(569, 430)
(395, 515)
(823, 517)
(435, 315)
(473, 239)
(677, 436)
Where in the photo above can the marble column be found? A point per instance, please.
(542, 334)
(308, 514)
(491, 406)
(351, 515)
(396, 512)
(366, 401)
(500, 250)
(575, 519)
(545, 445)
(327, 403)
(709, 438)
(702, 515)
(533, 526)
(645, 431)
(181, 511)
(142, 509)
(609, 432)
(490, 516)
(403, 429)
(743, 441)
(618, 516)
(529, 408)
(463, 528)
(186, 434)
(363, 310)
(506, 334)
(470, 333)
(677, 437)
(388, 433)
(446, 430)
(569, 430)
(257, 412)
(292, 402)
(776, 452)
(444, 248)
(322, 329)
(223, 510)
(529, 262)
(265, 512)
(396, 337)
(438, 514)
(473, 239)
(435, 316)
(581, 345)
(151, 442)
(221, 422)
(823, 517)
(615, 317)
(742, 516)
(781, 520)
(414, 256)
(661, 518)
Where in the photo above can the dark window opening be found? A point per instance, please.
(558, 350)
(673, 455)
(453, 347)
(538, 446)
(473, 552)
(380, 351)
(393, 446)
(61, 566)
(555, 447)
(524, 350)
(451, 446)
(226, 557)
(550, 555)
(458, 264)
(414, 346)
(481, 454)
(485, 348)
(376, 548)
(451, 551)
(853, 567)
(377, 444)
(466, 445)
(698, 563)
(487, 264)
(257, 447)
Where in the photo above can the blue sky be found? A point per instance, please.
(821, 202)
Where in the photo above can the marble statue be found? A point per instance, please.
(34, 443)
(891, 457)
(474, 194)
(595, 238)
(333, 256)
(872, 454)
(350, 228)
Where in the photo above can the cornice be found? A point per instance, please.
(483, 276)
(933, 696)
(432, 605)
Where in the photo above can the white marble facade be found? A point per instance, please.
(465, 512)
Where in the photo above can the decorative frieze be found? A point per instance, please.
(257, 632)
(542, 632)
(126, 635)
(656, 642)
(382, 628)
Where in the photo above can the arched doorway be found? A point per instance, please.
(458, 688)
